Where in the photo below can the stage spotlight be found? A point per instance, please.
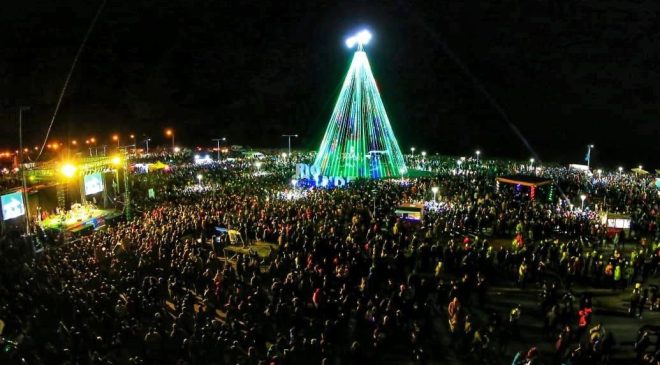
(68, 170)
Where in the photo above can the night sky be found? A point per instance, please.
(566, 73)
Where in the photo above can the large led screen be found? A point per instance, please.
(93, 183)
(12, 205)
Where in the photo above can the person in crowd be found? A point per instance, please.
(341, 282)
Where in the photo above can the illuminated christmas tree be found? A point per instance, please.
(359, 141)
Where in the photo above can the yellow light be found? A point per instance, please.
(168, 132)
(115, 137)
(93, 140)
(132, 136)
(74, 142)
(116, 160)
(68, 170)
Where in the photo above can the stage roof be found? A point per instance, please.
(525, 180)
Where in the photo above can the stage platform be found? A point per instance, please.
(79, 220)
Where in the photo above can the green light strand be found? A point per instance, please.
(359, 141)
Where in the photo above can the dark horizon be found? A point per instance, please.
(566, 76)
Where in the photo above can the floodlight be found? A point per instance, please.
(68, 170)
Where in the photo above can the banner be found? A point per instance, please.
(12, 205)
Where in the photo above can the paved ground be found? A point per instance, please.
(610, 309)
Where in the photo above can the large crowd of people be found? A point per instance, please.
(345, 280)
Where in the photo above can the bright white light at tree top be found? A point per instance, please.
(361, 38)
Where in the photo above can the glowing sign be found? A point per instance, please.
(618, 223)
(12, 205)
(202, 160)
(312, 174)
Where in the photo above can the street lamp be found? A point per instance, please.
(116, 139)
(199, 179)
(600, 173)
(289, 137)
(218, 141)
(170, 133)
(423, 154)
(134, 145)
(459, 162)
(478, 153)
(412, 151)
(435, 191)
(258, 165)
(589, 147)
(92, 142)
(284, 155)
(620, 170)
(294, 182)
(583, 197)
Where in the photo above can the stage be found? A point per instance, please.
(80, 218)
